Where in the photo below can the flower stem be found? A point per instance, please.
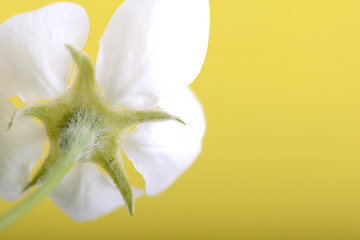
(51, 182)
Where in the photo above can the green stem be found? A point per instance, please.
(52, 181)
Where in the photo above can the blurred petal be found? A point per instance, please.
(34, 62)
(85, 193)
(20, 148)
(161, 152)
(151, 49)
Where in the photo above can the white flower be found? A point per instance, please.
(150, 52)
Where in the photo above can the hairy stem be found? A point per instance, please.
(71, 154)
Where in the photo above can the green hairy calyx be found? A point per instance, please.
(84, 123)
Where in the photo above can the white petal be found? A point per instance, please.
(20, 148)
(152, 48)
(85, 193)
(34, 61)
(162, 151)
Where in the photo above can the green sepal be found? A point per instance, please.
(114, 167)
(145, 116)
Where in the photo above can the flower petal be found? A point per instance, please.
(162, 151)
(20, 148)
(85, 193)
(34, 61)
(152, 48)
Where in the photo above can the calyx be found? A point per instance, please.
(83, 110)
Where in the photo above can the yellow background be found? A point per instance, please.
(281, 156)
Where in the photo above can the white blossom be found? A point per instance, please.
(150, 52)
